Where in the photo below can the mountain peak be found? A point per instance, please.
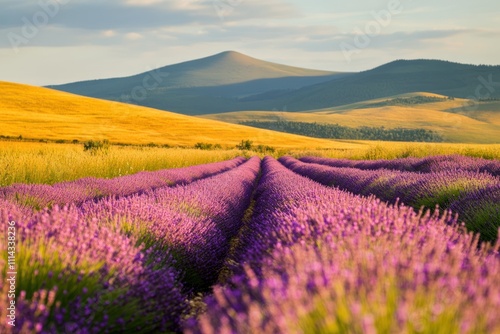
(231, 67)
(226, 58)
(231, 54)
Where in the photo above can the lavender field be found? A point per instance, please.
(258, 246)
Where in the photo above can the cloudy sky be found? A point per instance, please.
(57, 41)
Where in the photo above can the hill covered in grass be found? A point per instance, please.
(34, 112)
(454, 120)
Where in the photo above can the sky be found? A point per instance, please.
(45, 42)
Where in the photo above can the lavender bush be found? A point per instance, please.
(77, 276)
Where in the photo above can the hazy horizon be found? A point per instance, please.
(51, 42)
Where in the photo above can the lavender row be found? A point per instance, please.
(454, 189)
(39, 196)
(429, 164)
(319, 260)
(124, 264)
(195, 222)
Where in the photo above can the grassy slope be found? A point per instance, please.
(448, 117)
(35, 112)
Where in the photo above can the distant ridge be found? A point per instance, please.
(231, 81)
(427, 64)
(399, 77)
(233, 67)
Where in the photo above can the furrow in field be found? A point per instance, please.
(195, 222)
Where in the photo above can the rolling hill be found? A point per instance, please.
(427, 111)
(41, 113)
(231, 81)
(398, 77)
(207, 85)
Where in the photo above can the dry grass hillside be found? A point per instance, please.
(34, 112)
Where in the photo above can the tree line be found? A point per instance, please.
(335, 131)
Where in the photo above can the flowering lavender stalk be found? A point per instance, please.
(415, 189)
(76, 192)
(430, 164)
(319, 260)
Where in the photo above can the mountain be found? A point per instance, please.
(41, 113)
(231, 81)
(398, 77)
(450, 118)
(211, 84)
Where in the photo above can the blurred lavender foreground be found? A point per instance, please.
(76, 275)
(319, 260)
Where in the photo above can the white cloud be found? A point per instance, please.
(133, 36)
(109, 33)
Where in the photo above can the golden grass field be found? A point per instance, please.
(26, 162)
(40, 113)
(372, 150)
(448, 118)
(34, 112)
